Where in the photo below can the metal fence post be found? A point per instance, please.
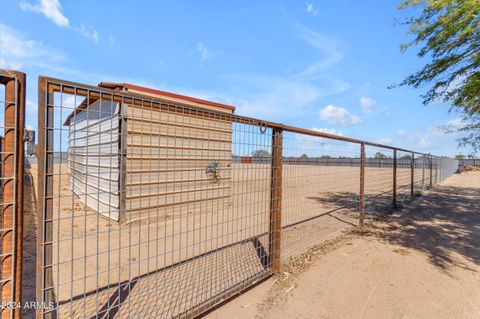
(45, 153)
(423, 172)
(394, 200)
(276, 200)
(412, 174)
(362, 184)
(12, 210)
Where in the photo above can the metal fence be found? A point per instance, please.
(470, 162)
(148, 208)
(11, 185)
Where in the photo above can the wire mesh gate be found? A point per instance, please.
(147, 208)
(144, 210)
(12, 119)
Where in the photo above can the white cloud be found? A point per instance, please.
(385, 140)
(367, 104)
(328, 47)
(268, 97)
(70, 101)
(13, 45)
(456, 123)
(31, 107)
(271, 97)
(431, 139)
(311, 9)
(337, 116)
(90, 33)
(205, 54)
(51, 9)
(9, 64)
(278, 97)
(327, 130)
(17, 51)
(419, 140)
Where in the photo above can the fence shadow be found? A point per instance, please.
(442, 224)
(335, 205)
(376, 205)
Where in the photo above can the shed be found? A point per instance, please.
(128, 161)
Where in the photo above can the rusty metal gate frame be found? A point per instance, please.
(11, 178)
(47, 87)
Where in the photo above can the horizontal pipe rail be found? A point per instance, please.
(96, 93)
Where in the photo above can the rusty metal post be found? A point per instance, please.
(2, 173)
(362, 184)
(394, 197)
(276, 200)
(45, 154)
(21, 91)
(8, 290)
(13, 157)
(412, 174)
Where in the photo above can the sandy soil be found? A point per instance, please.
(29, 244)
(421, 262)
(102, 267)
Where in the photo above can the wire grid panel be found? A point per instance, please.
(433, 170)
(378, 179)
(152, 212)
(440, 169)
(320, 190)
(466, 162)
(404, 175)
(7, 197)
(421, 173)
(452, 167)
(446, 167)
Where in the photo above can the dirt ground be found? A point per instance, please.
(108, 269)
(421, 262)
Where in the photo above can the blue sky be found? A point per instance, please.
(323, 65)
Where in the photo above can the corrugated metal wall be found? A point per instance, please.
(93, 157)
(166, 160)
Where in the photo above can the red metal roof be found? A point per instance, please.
(177, 96)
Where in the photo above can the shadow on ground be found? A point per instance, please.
(375, 205)
(443, 223)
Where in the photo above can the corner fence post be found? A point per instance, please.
(362, 184)
(276, 200)
(412, 174)
(394, 199)
(12, 201)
